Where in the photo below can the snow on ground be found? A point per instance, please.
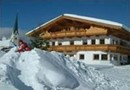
(42, 70)
(121, 73)
(2, 53)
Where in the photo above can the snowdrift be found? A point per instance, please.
(1, 53)
(42, 70)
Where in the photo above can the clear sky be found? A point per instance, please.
(36, 12)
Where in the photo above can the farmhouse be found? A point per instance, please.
(90, 40)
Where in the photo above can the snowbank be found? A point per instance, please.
(2, 53)
(42, 70)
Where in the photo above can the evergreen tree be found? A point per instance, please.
(39, 43)
(15, 34)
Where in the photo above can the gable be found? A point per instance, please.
(67, 22)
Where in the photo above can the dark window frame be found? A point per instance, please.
(96, 57)
(93, 41)
(71, 42)
(85, 42)
(59, 43)
(81, 56)
(104, 57)
(53, 43)
(102, 41)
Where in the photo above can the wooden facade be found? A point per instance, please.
(106, 48)
(69, 27)
(74, 33)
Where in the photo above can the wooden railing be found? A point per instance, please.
(75, 33)
(111, 48)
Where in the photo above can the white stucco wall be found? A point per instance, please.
(97, 41)
(89, 57)
(65, 42)
(79, 41)
(89, 54)
(56, 43)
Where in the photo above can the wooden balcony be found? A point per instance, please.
(75, 33)
(111, 48)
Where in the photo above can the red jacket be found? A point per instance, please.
(23, 47)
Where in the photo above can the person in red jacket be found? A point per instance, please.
(23, 46)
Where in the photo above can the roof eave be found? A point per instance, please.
(96, 20)
(101, 21)
(35, 29)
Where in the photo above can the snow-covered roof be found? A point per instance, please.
(99, 20)
(102, 21)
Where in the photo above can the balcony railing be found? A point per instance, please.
(74, 33)
(111, 48)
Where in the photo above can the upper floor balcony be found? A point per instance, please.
(108, 48)
(73, 33)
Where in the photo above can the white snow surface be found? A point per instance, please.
(1, 53)
(5, 43)
(42, 70)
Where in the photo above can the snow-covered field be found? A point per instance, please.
(121, 73)
(41, 70)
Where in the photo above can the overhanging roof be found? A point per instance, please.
(91, 20)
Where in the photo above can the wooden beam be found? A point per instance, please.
(112, 48)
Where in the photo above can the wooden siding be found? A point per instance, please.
(111, 48)
(54, 28)
(74, 33)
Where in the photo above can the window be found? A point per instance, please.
(71, 42)
(71, 55)
(115, 57)
(47, 43)
(84, 42)
(59, 43)
(93, 41)
(102, 41)
(104, 57)
(120, 57)
(123, 43)
(81, 56)
(53, 43)
(115, 42)
(96, 57)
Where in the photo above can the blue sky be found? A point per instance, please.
(36, 12)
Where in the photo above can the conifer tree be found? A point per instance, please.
(39, 43)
